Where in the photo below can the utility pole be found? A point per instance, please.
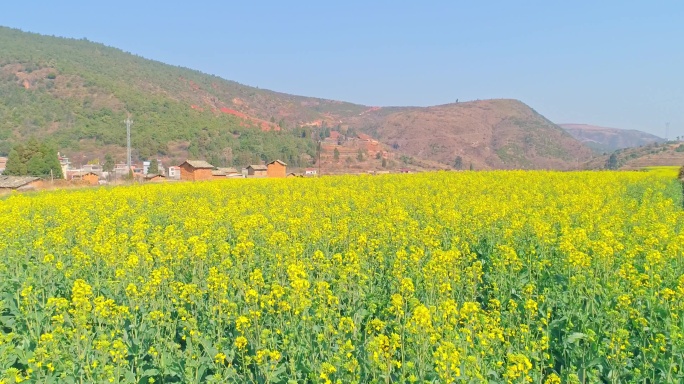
(667, 131)
(128, 122)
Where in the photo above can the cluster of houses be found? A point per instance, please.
(196, 170)
(189, 170)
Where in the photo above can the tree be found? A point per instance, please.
(154, 167)
(359, 156)
(378, 155)
(36, 164)
(336, 154)
(471, 167)
(108, 165)
(612, 162)
(14, 164)
(384, 163)
(458, 163)
(33, 159)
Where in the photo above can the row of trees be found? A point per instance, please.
(34, 158)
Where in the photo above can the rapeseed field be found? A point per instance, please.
(501, 277)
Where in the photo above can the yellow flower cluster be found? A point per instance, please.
(447, 277)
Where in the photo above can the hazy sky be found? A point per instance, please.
(611, 63)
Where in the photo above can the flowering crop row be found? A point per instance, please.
(508, 277)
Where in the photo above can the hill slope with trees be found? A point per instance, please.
(76, 94)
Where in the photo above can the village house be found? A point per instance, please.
(3, 164)
(276, 168)
(310, 172)
(196, 170)
(19, 183)
(293, 174)
(174, 172)
(257, 170)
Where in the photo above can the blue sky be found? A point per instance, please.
(610, 63)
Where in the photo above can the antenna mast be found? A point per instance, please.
(128, 122)
(667, 131)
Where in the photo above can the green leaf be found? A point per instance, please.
(574, 337)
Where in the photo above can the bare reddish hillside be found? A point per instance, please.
(488, 133)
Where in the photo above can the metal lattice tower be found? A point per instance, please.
(128, 122)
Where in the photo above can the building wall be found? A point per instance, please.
(174, 173)
(252, 172)
(202, 174)
(276, 170)
(191, 174)
(91, 179)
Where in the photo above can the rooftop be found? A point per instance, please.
(16, 181)
(199, 164)
(228, 170)
(258, 167)
(278, 161)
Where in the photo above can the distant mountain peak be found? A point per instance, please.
(604, 139)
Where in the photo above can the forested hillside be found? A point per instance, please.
(77, 94)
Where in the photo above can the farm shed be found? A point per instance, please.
(276, 168)
(19, 183)
(196, 170)
(258, 170)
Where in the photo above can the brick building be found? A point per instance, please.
(196, 170)
(276, 168)
(257, 170)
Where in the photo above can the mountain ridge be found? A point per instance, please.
(77, 92)
(606, 139)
